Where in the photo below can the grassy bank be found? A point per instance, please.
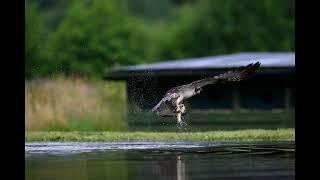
(74, 104)
(239, 135)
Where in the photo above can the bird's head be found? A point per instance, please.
(183, 109)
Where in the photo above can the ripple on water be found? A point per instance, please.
(35, 148)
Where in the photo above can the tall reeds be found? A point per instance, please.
(74, 104)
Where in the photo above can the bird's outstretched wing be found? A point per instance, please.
(236, 75)
(167, 102)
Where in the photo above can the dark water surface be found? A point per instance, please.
(160, 160)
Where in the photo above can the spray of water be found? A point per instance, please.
(146, 94)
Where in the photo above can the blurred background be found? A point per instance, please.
(73, 48)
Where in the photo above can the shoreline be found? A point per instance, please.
(251, 135)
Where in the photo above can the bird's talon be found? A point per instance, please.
(181, 124)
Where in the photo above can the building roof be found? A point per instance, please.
(267, 59)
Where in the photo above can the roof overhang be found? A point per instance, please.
(270, 63)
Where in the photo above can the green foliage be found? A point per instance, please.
(85, 37)
(33, 40)
(218, 27)
(94, 36)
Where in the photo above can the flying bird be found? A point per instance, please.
(171, 103)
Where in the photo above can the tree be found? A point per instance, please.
(212, 27)
(33, 41)
(96, 35)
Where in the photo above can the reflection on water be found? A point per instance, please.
(214, 162)
(181, 169)
(171, 168)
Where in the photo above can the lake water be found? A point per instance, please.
(160, 160)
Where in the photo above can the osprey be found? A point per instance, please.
(170, 105)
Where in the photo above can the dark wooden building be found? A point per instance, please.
(271, 91)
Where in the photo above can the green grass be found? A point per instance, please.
(238, 135)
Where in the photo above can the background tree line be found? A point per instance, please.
(87, 37)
